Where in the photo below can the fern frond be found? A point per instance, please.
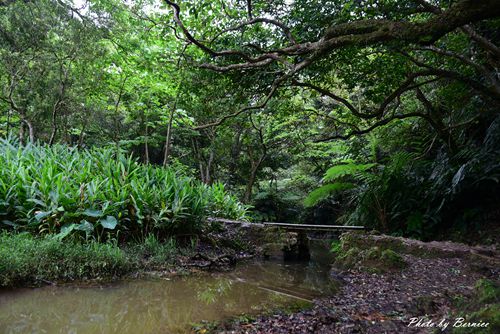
(339, 171)
(324, 191)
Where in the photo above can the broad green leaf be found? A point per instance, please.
(40, 215)
(65, 231)
(10, 223)
(85, 226)
(109, 222)
(92, 213)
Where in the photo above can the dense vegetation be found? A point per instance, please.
(29, 260)
(101, 193)
(125, 125)
(377, 113)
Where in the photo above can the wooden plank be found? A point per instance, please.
(289, 226)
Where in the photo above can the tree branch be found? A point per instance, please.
(378, 124)
(249, 9)
(282, 26)
(407, 85)
(362, 33)
(261, 105)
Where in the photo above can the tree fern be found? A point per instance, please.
(325, 191)
(339, 171)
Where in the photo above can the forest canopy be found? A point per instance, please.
(381, 113)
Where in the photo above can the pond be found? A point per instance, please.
(162, 305)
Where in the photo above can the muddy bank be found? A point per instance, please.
(29, 261)
(436, 280)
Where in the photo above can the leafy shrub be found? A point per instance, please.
(100, 193)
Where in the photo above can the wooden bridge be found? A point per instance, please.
(289, 227)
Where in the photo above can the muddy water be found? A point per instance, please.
(160, 305)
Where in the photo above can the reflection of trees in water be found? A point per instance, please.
(212, 292)
(154, 306)
(131, 308)
(309, 279)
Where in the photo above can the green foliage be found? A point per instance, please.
(153, 253)
(25, 259)
(325, 191)
(339, 171)
(415, 195)
(336, 247)
(98, 193)
(483, 307)
(488, 291)
(103, 75)
(373, 259)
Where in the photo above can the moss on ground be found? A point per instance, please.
(373, 259)
(488, 291)
(484, 307)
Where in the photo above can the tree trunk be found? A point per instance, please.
(31, 130)
(80, 138)
(54, 127)
(251, 180)
(146, 146)
(249, 188)
(21, 132)
(168, 139)
(208, 175)
(235, 153)
(116, 114)
(174, 107)
(63, 76)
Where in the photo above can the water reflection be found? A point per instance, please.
(160, 306)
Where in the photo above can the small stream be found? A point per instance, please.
(163, 305)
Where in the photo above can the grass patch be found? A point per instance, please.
(153, 253)
(27, 260)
